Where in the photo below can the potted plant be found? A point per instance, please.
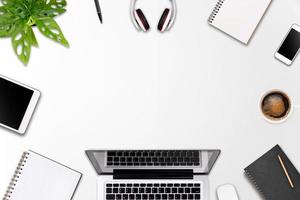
(18, 17)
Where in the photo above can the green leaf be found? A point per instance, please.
(21, 42)
(49, 28)
(18, 10)
(8, 22)
(32, 38)
(51, 8)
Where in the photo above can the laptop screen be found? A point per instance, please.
(108, 161)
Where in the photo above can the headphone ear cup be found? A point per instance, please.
(141, 20)
(164, 20)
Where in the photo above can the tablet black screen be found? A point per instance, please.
(14, 100)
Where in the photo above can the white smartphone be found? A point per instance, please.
(17, 104)
(289, 48)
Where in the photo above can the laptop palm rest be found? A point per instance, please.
(152, 174)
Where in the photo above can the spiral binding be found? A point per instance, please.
(255, 184)
(16, 176)
(216, 11)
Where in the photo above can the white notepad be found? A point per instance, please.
(39, 178)
(238, 18)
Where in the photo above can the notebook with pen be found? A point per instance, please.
(238, 18)
(275, 176)
(39, 178)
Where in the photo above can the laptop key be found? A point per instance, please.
(122, 190)
(128, 190)
(195, 190)
(184, 196)
(108, 190)
(132, 154)
(168, 190)
(115, 190)
(141, 190)
(109, 159)
(111, 153)
(118, 196)
(135, 190)
(197, 196)
(110, 196)
(119, 153)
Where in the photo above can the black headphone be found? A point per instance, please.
(141, 23)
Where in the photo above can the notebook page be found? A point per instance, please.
(239, 18)
(43, 179)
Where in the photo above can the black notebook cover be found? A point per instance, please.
(269, 177)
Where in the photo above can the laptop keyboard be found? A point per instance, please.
(154, 158)
(152, 191)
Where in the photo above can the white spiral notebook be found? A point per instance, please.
(39, 178)
(238, 18)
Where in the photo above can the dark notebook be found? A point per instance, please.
(269, 177)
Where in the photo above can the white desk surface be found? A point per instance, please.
(193, 87)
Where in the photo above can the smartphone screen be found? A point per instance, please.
(291, 45)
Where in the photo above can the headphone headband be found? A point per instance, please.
(132, 10)
(173, 14)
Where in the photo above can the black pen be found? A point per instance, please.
(98, 10)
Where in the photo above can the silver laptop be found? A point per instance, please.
(153, 174)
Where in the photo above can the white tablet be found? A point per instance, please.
(17, 104)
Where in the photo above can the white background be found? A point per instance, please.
(192, 87)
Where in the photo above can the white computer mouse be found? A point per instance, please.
(227, 192)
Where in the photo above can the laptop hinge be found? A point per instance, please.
(152, 174)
